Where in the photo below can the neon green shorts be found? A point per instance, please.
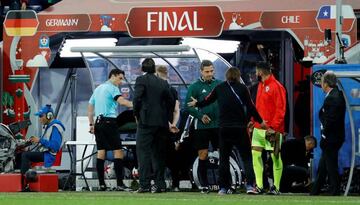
(259, 140)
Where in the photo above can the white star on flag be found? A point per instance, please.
(325, 13)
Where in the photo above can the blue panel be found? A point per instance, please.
(317, 101)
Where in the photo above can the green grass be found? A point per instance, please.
(186, 198)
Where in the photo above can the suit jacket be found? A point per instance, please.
(332, 117)
(152, 100)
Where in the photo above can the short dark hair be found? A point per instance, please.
(205, 63)
(148, 65)
(311, 138)
(264, 66)
(330, 79)
(116, 72)
(233, 74)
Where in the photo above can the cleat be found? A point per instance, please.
(104, 188)
(231, 191)
(258, 191)
(142, 190)
(205, 190)
(122, 188)
(273, 191)
(222, 191)
(156, 189)
(251, 190)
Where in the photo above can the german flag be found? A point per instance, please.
(21, 23)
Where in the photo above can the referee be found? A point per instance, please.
(103, 103)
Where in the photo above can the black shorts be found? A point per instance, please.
(202, 138)
(107, 136)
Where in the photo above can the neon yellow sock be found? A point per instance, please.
(277, 169)
(258, 168)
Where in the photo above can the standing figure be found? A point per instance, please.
(172, 145)
(236, 108)
(332, 118)
(152, 101)
(206, 118)
(271, 104)
(103, 103)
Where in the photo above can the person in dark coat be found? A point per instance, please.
(332, 118)
(151, 101)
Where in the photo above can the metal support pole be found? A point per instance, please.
(339, 22)
(73, 104)
(63, 91)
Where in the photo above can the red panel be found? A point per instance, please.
(175, 21)
(45, 183)
(21, 23)
(10, 182)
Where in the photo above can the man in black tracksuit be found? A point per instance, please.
(295, 155)
(235, 110)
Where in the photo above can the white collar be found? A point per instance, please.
(328, 92)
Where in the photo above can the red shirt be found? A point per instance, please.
(271, 103)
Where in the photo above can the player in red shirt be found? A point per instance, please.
(271, 105)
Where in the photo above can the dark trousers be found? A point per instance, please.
(180, 161)
(28, 157)
(238, 137)
(328, 166)
(173, 162)
(291, 174)
(150, 149)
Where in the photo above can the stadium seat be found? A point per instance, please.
(56, 163)
(47, 179)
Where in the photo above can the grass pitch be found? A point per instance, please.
(171, 198)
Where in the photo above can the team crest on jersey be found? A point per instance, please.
(203, 91)
(267, 88)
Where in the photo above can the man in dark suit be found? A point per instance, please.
(332, 116)
(152, 99)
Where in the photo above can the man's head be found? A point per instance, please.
(263, 71)
(116, 76)
(310, 142)
(148, 65)
(162, 72)
(328, 81)
(45, 114)
(233, 74)
(207, 70)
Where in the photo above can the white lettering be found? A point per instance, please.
(196, 28)
(160, 21)
(290, 19)
(166, 21)
(150, 20)
(61, 22)
(188, 22)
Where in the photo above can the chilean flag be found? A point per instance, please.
(326, 18)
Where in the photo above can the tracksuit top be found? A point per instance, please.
(271, 104)
(199, 90)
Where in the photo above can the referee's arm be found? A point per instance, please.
(124, 102)
(91, 117)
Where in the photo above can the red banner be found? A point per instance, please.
(288, 19)
(60, 23)
(174, 21)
